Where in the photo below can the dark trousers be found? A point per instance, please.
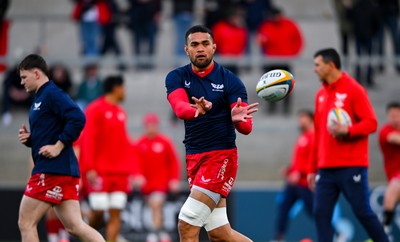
(291, 195)
(364, 69)
(391, 23)
(353, 183)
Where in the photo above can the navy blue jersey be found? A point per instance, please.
(214, 130)
(54, 116)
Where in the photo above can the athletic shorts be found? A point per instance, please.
(52, 188)
(393, 176)
(213, 170)
(110, 183)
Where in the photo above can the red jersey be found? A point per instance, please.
(280, 38)
(226, 44)
(390, 152)
(158, 162)
(348, 94)
(303, 156)
(105, 145)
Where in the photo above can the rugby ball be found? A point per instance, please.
(339, 115)
(275, 85)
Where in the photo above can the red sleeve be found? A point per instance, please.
(364, 113)
(243, 127)
(90, 135)
(180, 104)
(135, 159)
(297, 39)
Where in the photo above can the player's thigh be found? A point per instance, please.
(32, 210)
(69, 212)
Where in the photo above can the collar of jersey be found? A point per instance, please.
(332, 86)
(205, 72)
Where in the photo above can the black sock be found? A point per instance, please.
(388, 217)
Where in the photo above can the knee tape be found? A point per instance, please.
(194, 212)
(99, 201)
(217, 218)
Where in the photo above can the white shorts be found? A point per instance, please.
(106, 201)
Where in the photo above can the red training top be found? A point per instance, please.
(348, 94)
(230, 39)
(303, 156)
(105, 145)
(280, 38)
(390, 152)
(158, 162)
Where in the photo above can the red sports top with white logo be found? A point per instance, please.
(158, 162)
(390, 152)
(330, 152)
(105, 145)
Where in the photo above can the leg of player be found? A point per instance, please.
(193, 215)
(156, 203)
(70, 215)
(218, 226)
(326, 195)
(30, 212)
(392, 196)
(117, 203)
(357, 194)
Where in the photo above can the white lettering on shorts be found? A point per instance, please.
(56, 193)
(41, 181)
(221, 172)
(228, 185)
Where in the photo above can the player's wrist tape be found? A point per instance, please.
(194, 212)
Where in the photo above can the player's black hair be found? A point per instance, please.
(34, 61)
(392, 105)
(328, 55)
(306, 112)
(112, 81)
(199, 29)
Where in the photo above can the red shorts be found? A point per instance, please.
(110, 183)
(52, 188)
(213, 170)
(393, 176)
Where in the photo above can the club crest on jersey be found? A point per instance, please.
(187, 84)
(217, 87)
(36, 106)
(340, 97)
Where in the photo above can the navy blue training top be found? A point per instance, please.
(54, 116)
(214, 130)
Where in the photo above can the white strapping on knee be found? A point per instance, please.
(99, 201)
(213, 195)
(194, 212)
(217, 218)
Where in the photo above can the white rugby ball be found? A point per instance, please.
(275, 85)
(339, 115)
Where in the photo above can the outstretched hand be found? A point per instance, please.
(201, 105)
(240, 114)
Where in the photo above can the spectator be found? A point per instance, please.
(144, 18)
(183, 19)
(279, 36)
(345, 27)
(160, 167)
(60, 75)
(365, 21)
(256, 10)
(296, 187)
(14, 94)
(91, 14)
(4, 25)
(91, 86)
(109, 41)
(389, 13)
(216, 10)
(233, 25)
